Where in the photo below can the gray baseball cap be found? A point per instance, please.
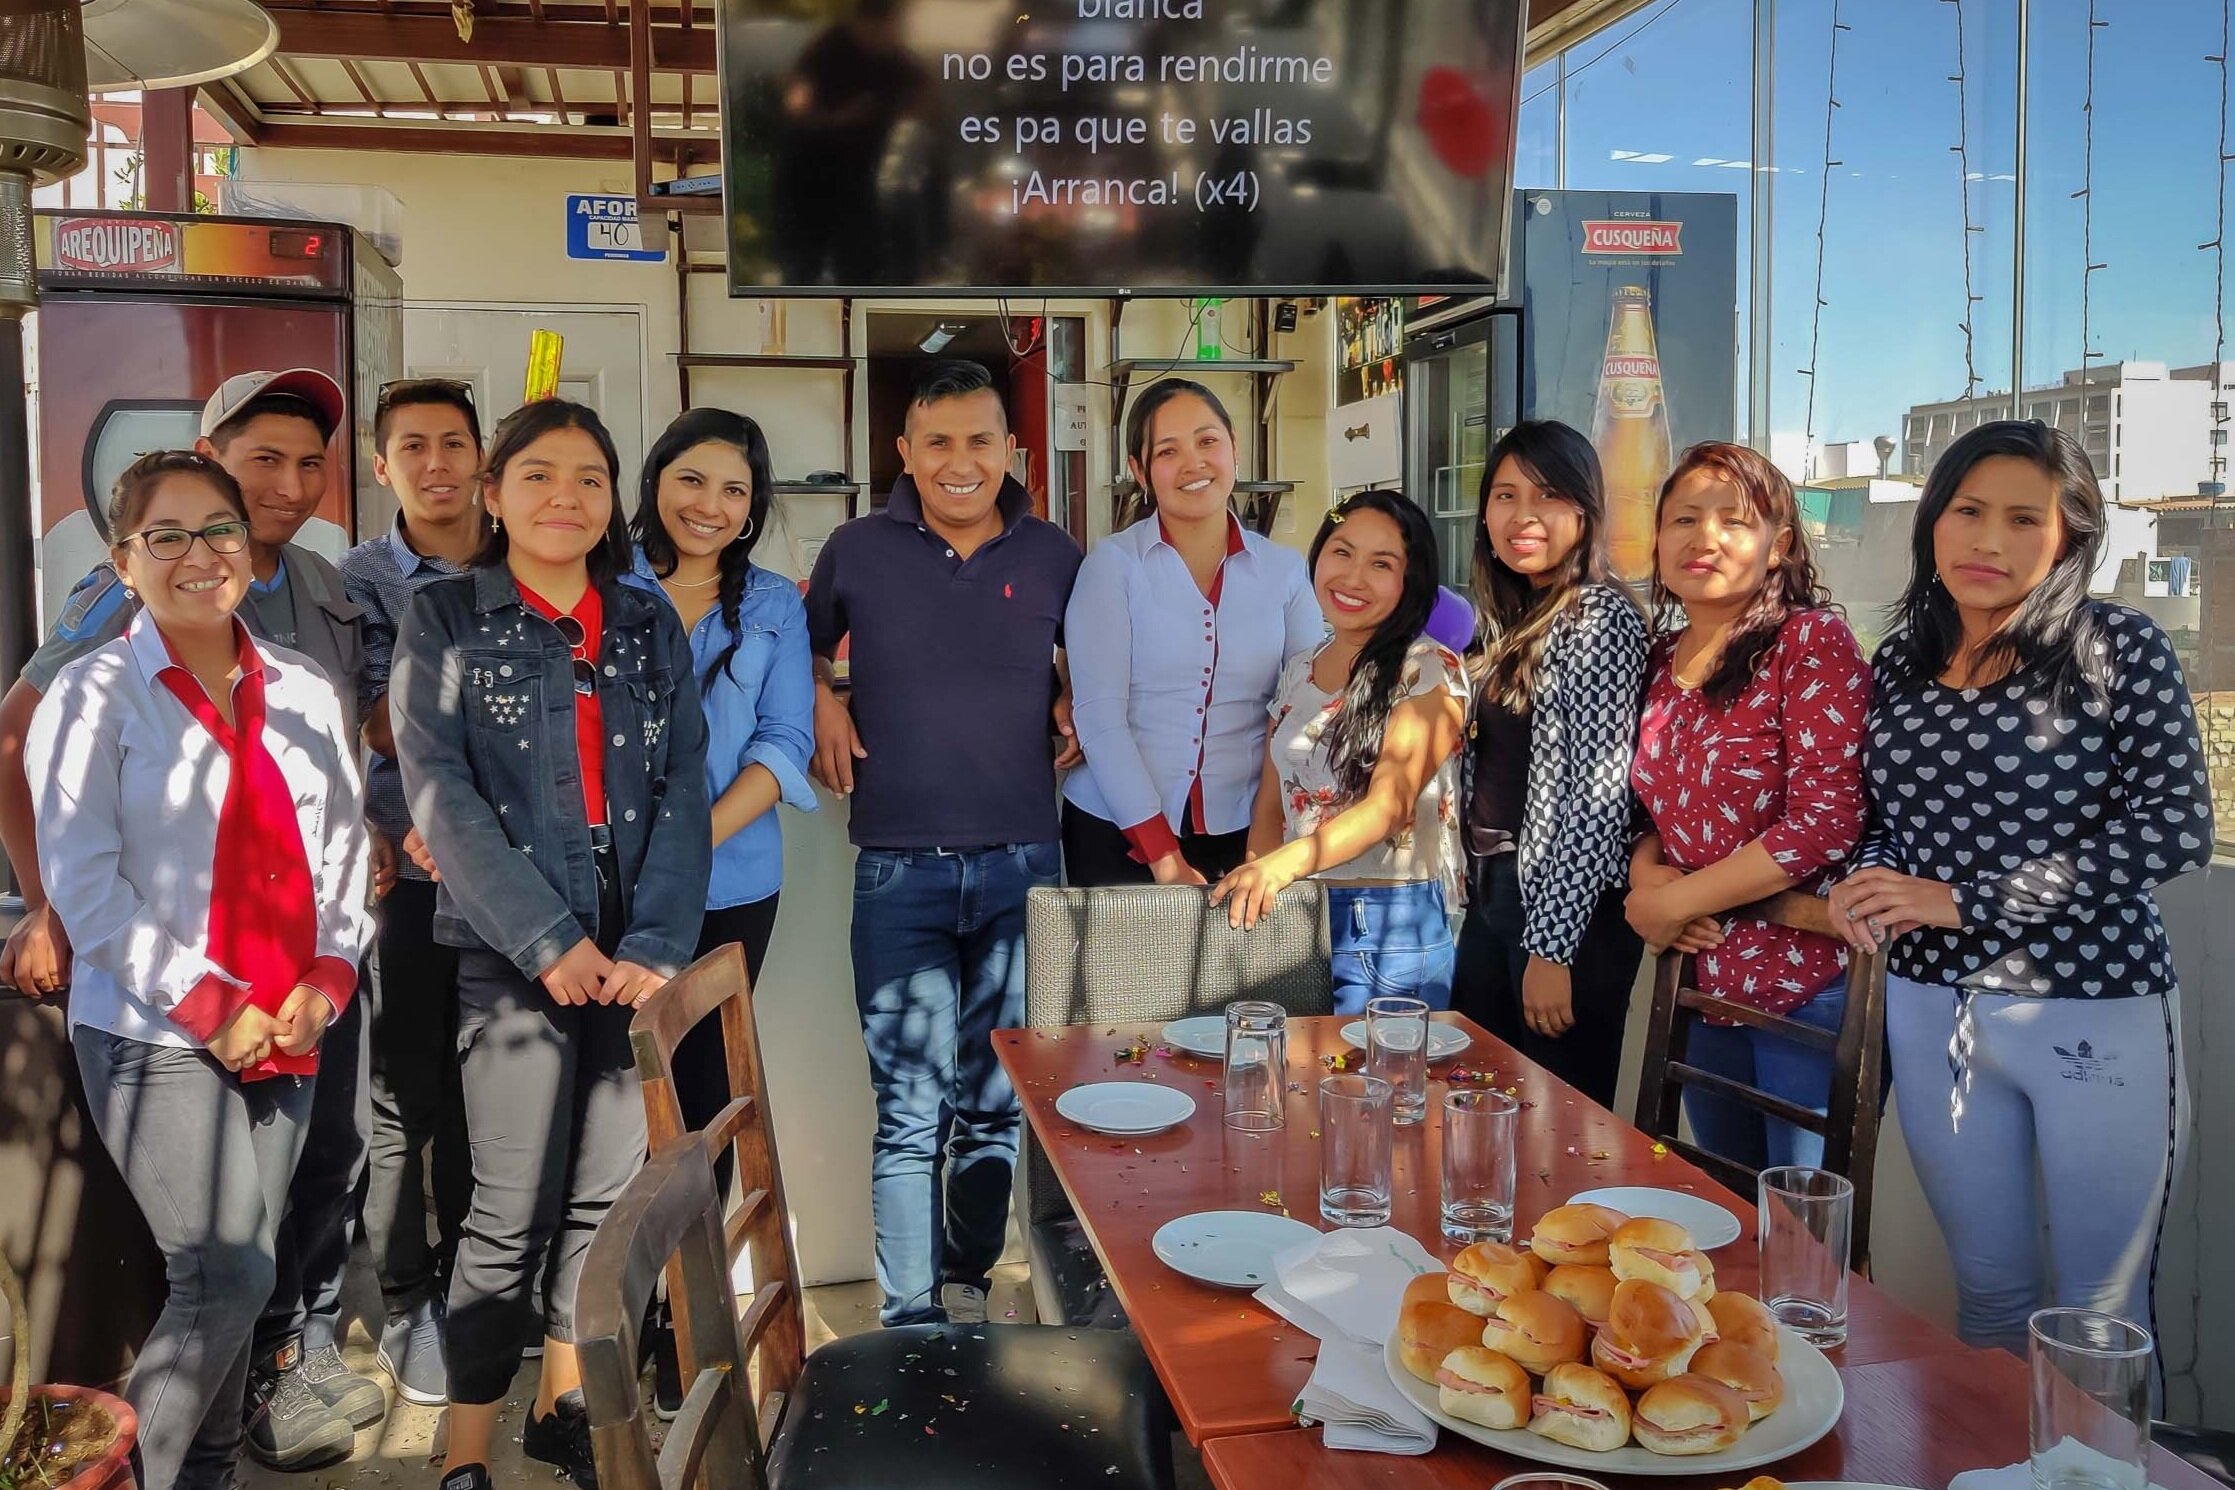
(310, 385)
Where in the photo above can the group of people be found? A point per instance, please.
(580, 721)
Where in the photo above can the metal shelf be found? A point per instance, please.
(1124, 368)
(761, 359)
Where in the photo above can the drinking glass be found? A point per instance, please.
(2091, 1401)
(1807, 1222)
(1256, 1065)
(1478, 1133)
(1397, 1052)
(1356, 1144)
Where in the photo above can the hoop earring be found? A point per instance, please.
(746, 531)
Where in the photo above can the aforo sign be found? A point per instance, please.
(1631, 236)
(115, 245)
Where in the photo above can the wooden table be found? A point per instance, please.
(1229, 1365)
(1916, 1422)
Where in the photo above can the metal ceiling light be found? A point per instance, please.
(173, 43)
(935, 341)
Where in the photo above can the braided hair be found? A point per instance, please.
(692, 428)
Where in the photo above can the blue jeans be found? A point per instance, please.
(1772, 1064)
(1390, 939)
(938, 967)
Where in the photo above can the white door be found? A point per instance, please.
(601, 363)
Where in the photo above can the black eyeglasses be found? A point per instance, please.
(168, 544)
(585, 676)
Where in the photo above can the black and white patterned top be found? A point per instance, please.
(2053, 824)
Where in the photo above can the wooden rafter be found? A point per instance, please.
(285, 76)
(496, 95)
(559, 99)
(364, 90)
(575, 37)
(233, 109)
(442, 111)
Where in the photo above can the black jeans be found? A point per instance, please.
(556, 1118)
(416, 1101)
(1095, 852)
(1487, 984)
(321, 1221)
(701, 1072)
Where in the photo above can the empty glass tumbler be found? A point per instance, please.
(1256, 1065)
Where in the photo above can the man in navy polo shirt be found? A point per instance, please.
(953, 597)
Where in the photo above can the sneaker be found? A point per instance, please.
(467, 1477)
(963, 1304)
(287, 1425)
(563, 1440)
(667, 1376)
(411, 1354)
(356, 1400)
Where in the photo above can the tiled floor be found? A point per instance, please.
(403, 1451)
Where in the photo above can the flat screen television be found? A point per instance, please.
(1003, 147)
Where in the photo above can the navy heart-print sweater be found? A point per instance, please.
(2052, 822)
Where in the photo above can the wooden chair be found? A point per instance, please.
(935, 1407)
(1858, 1048)
(1126, 953)
(717, 986)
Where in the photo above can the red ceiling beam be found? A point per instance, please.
(436, 139)
(591, 45)
(224, 104)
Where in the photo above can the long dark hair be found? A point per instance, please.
(1354, 738)
(516, 432)
(1792, 584)
(1140, 423)
(2053, 637)
(691, 428)
(1518, 617)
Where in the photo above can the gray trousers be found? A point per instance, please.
(556, 1119)
(208, 1157)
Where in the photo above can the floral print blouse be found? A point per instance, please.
(1782, 764)
(1426, 848)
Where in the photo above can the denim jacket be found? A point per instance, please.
(482, 701)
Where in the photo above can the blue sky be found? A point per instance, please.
(1674, 81)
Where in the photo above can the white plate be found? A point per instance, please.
(1127, 1108)
(1710, 1225)
(1814, 1398)
(1201, 1034)
(1444, 1041)
(1233, 1249)
(1841, 1485)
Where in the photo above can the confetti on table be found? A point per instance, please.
(1269, 1197)
(1133, 1054)
(1336, 1062)
(879, 1410)
(1659, 1149)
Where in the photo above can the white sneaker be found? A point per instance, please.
(962, 1303)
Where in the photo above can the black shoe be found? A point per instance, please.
(667, 1376)
(468, 1477)
(562, 1440)
(357, 1400)
(287, 1426)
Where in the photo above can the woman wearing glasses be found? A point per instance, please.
(178, 757)
(554, 757)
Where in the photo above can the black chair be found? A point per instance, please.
(1857, 1047)
(1129, 953)
(932, 1407)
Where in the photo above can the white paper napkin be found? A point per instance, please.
(1346, 1288)
(2071, 1457)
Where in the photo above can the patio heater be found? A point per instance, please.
(44, 122)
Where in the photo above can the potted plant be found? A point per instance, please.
(59, 1437)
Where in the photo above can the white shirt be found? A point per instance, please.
(126, 790)
(1163, 686)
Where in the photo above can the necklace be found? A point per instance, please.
(691, 584)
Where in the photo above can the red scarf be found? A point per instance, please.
(263, 926)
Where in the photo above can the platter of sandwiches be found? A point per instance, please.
(1605, 1345)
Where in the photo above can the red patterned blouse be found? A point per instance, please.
(1782, 764)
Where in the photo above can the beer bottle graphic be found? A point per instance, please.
(1629, 427)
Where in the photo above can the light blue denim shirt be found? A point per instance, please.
(759, 711)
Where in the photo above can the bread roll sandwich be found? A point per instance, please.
(1489, 1271)
(1745, 1371)
(1537, 1330)
(1575, 1233)
(1649, 1336)
(1656, 1251)
(1582, 1408)
(1747, 1320)
(1483, 1387)
(1689, 1415)
(1430, 1329)
(1589, 1291)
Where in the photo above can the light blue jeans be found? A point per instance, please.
(1769, 1063)
(2088, 1094)
(1390, 940)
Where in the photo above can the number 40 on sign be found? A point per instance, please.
(604, 227)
